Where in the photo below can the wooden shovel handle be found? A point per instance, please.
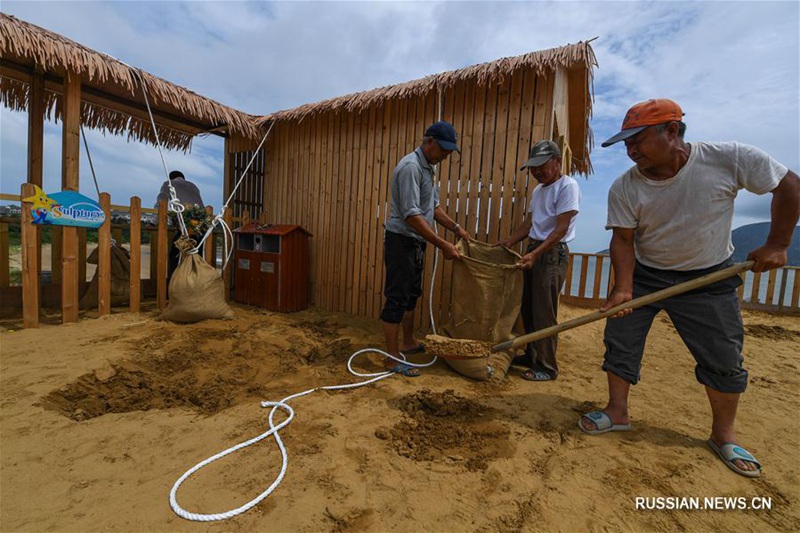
(680, 288)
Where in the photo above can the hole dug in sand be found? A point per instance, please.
(443, 427)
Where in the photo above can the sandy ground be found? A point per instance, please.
(99, 419)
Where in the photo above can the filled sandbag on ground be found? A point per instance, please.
(196, 292)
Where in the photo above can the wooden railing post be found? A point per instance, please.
(136, 254)
(209, 252)
(30, 263)
(226, 272)
(82, 240)
(4, 256)
(163, 256)
(104, 258)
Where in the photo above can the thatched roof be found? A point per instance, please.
(111, 91)
(572, 56)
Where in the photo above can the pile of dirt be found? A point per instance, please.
(447, 428)
(775, 333)
(206, 370)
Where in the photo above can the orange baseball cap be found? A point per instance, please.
(644, 114)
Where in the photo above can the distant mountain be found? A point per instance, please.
(749, 237)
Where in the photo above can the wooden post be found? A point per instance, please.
(35, 128)
(163, 256)
(30, 263)
(226, 272)
(70, 159)
(4, 259)
(36, 111)
(104, 258)
(136, 254)
(209, 251)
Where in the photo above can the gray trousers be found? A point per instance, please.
(543, 284)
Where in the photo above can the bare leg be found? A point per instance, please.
(617, 408)
(391, 331)
(409, 341)
(723, 412)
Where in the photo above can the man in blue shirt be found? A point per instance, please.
(415, 207)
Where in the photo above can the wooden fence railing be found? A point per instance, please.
(36, 290)
(589, 276)
(589, 281)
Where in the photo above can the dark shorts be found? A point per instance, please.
(707, 319)
(404, 258)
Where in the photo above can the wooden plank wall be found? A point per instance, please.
(331, 174)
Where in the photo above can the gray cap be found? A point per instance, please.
(541, 152)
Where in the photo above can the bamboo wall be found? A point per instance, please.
(330, 173)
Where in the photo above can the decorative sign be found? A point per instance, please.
(65, 208)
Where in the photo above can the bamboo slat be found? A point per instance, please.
(771, 287)
(756, 288)
(584, 270)
(598, 272)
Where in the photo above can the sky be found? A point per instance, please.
(734, 67)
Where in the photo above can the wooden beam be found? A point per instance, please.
(96, 97)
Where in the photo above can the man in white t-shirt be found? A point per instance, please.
(671, 217)
(550, 225)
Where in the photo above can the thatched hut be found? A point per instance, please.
(325, 166)
(328, 164)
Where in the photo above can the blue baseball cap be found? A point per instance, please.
(445, 134)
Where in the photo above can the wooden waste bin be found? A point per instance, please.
(271, 267)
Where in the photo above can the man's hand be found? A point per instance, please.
(527, 261)
(507, 243)
(462, 234)
(617, 298)
(767, 257)
(449, 251)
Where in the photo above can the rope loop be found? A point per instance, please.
(273, 431)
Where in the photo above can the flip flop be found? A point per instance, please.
(420, 348)
(729, 452)
(536, 375)
(603, 422)
(406, 370)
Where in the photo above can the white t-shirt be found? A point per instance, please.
(547, 202)
(684, 223)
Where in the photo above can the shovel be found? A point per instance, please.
(680, 288)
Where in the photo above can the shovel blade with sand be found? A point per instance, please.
(448, 348)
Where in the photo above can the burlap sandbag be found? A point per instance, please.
(120, 279)
(486, 298)
(196, 292)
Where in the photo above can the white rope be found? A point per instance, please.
(274, 432)
(219, 219)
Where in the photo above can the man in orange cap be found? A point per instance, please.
(671, 216)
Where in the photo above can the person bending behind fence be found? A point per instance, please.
(188, 194)
(415, 206)
(550, 225)
(671, 217)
